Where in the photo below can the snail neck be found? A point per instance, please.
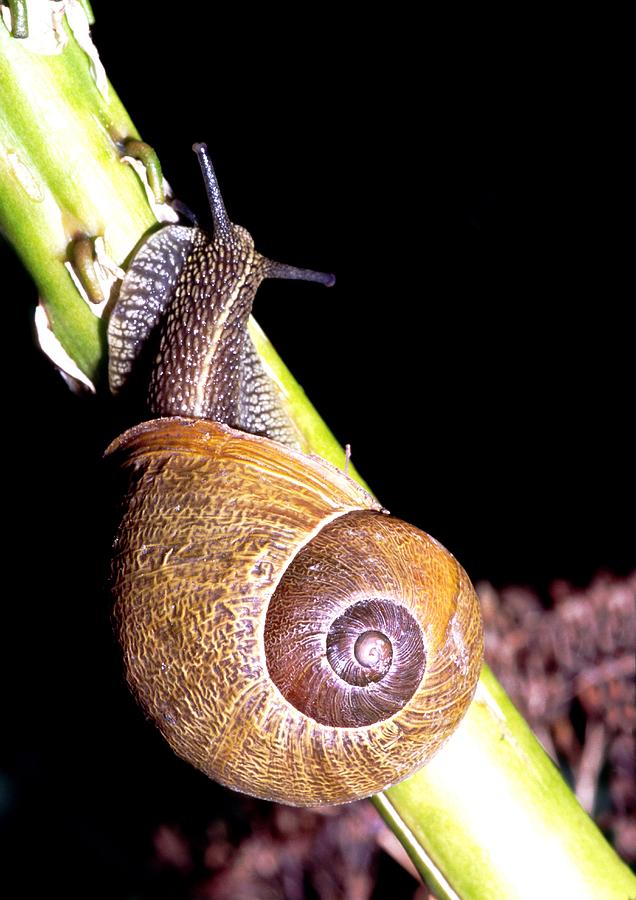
(205, 366)
(197, 370)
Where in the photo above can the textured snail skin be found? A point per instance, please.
(213, 519)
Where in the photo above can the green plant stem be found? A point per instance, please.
(490, 816)
(61, 178)
(493, 798)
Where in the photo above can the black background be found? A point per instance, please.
(475, 352)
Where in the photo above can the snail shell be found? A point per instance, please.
(287, 636)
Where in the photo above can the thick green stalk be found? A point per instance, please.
(489, 817)
(61, 177)
(523, 834)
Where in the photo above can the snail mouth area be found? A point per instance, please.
(338, 649)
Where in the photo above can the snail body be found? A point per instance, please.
(288, 637)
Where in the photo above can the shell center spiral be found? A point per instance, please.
(373, 650)
(342, 644)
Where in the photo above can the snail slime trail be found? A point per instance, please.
(303, 671)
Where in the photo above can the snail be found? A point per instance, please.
(288, 636)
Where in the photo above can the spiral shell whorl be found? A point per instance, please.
(213, 521)
(337, 592)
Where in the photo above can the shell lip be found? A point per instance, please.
(176, 433)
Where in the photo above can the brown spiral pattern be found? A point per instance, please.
(357, 669)
(356, 650)
(252, 586)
